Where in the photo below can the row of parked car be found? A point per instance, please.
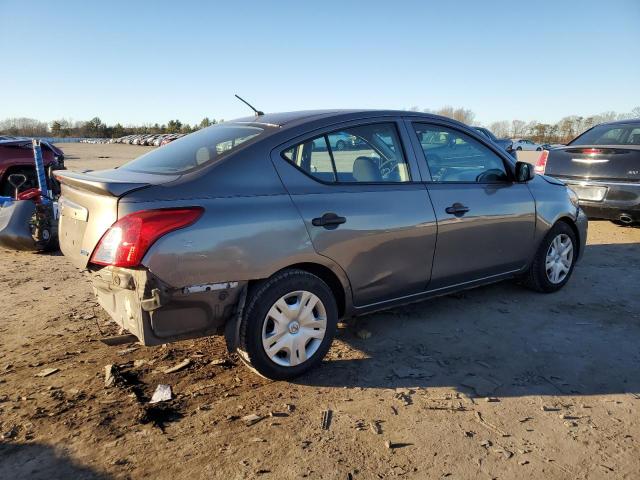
(516, 144)
(149, 139)
(152, 139)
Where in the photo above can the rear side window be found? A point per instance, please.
(455, 157)
(610, 135)
(364, 154)
(202, 147)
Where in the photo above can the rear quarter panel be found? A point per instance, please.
(250, 228)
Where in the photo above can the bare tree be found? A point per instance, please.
(517, 128)
(500, 129)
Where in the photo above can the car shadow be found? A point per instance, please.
(37, 461)
(503, 339)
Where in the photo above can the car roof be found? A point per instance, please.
(628, 121)
(290, 119)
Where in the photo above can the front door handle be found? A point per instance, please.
(328, 220)
(457, 209)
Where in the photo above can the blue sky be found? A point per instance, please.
(143, 62)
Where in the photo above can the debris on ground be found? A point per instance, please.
(546, 408)
(162, 394)
(222, 362)
(46, 372)
(11, 433)
(176, 368)
(507, 454)
(375, 427)
(326, 419)
(126, 351)
(251, 419)
(110, 372)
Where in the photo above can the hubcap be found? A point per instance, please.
(294, 328)
(559, 258)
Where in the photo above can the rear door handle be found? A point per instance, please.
(457, 209)
(328, 220)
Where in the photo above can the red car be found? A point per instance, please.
(16, 156)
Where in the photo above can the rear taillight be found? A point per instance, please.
(591, 151)
(541, 164)
(127, 241)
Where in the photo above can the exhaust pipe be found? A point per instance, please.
(626, 219)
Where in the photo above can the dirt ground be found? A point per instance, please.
(496, 382)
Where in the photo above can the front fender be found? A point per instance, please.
(553, 204)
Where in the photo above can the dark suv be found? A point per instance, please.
(16, 156)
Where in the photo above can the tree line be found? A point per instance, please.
(560, 132)
(94, 128)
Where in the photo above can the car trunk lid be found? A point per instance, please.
(89, 206)
(595, 162)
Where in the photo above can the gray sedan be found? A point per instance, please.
(262, 230)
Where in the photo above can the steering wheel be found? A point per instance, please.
(387, 168)
(491, 175)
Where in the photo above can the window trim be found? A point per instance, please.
(335, 129)
(508, 166)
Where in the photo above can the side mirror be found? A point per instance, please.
(524, 172)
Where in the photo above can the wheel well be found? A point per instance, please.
(330, 278)
(573, 227)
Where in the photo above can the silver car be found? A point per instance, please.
(261, 230)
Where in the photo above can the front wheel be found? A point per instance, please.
(288, 325)
(554, 261)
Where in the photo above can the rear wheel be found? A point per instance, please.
(554, 261)
(288, 325)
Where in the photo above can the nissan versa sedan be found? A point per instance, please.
(261, 230)
(602, 166)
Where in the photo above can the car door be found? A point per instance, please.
(486, 220)
(364, 206)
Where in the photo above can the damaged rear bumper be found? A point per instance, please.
(157, 313)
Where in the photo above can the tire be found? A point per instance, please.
(519, 148)
(539, 149)
(539, 278)
(340, 145)
(258, 327)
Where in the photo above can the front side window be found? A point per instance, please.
(191, 151)
(364, 154)
(453, 156)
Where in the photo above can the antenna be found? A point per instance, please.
(258, 112)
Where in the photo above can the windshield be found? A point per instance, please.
(610, 135)
(191, 151)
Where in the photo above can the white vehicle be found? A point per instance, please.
(524, 144)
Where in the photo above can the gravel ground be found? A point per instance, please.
(496, 382)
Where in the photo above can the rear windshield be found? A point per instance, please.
(610, 135)
(191, 151)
